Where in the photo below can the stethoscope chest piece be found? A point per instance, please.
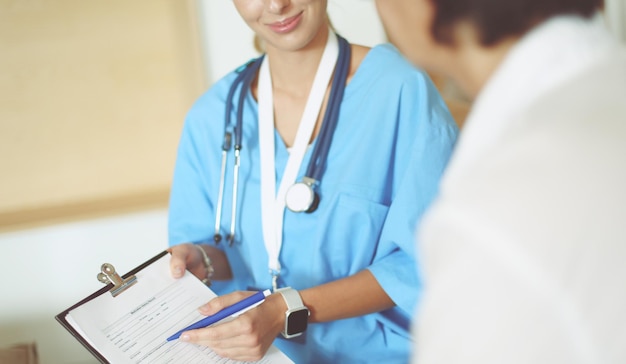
(301, 197)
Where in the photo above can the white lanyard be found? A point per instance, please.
(272, 203)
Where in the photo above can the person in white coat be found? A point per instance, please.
(523, 251)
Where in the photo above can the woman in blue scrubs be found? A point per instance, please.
(350, 263)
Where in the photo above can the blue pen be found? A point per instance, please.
(234, 309)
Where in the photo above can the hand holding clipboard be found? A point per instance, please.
(130, 319)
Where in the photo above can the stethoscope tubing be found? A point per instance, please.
(242, 82)
(316, 166)
(245, 86)
(217, 237)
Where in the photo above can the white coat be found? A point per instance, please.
(524, 250)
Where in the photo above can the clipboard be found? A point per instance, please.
(106, 318)
(114, 288)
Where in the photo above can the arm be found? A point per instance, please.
(249, 337)
(356, 295)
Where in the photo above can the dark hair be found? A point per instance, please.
(498, 19)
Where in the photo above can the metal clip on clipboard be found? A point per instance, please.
(109, 275)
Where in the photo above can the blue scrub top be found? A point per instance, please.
(392, 141)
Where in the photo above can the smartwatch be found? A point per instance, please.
(297, 315)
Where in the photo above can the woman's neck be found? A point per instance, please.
(294, 71)
(292, 74)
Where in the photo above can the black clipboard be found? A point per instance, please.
(109, 288)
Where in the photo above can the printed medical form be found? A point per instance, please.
(133, 326)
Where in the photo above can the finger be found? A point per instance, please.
(210, 336)
(178, 259)
(221, 302)
(226, 341)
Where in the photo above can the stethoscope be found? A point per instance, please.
(302, 195)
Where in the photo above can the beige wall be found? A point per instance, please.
(92, 100)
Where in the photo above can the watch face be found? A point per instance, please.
(298, 321)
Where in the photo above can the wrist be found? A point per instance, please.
(278, 309)
(208, 265)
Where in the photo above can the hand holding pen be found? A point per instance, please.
(233, 310)
(246, 338)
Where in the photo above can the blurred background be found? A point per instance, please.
(93, 95)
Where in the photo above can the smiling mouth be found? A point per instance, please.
(286, 25)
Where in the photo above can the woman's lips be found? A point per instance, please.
(287, 25)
